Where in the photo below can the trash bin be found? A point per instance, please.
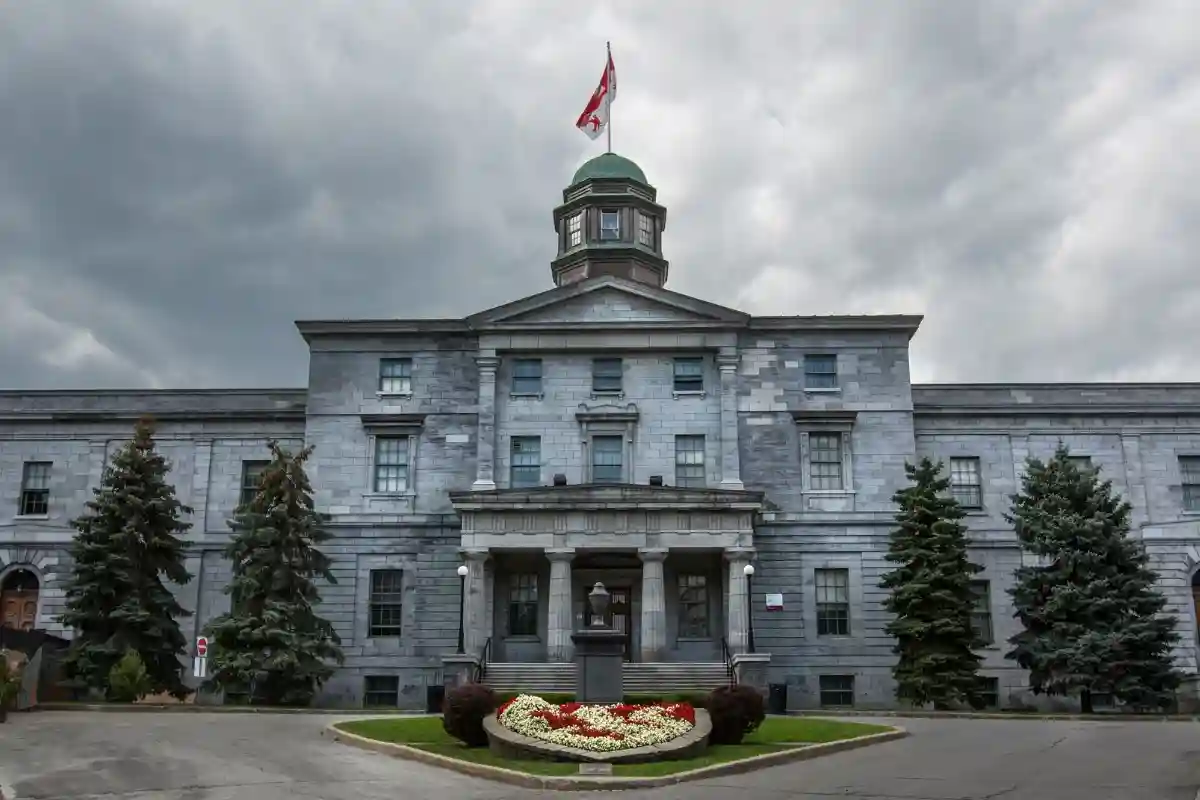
(777, 698)
(434, 695)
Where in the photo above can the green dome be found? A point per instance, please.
(609, 165)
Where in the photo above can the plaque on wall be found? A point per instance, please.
(774, 602)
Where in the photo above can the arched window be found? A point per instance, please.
(19, 599)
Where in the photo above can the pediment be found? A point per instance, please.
(606, 300)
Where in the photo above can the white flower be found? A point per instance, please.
(596, 728)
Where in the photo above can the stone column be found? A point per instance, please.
(475, 602)
(731, 465)
(653, 631)
(560, 616)
(485, 444)
(737, 606)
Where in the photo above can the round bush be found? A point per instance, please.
(735, 711)
(464, 710)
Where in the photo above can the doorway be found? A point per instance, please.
(19, 600)
(619, 616)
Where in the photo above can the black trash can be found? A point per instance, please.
(434, 695)
(777, 698)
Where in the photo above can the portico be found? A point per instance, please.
(671, 558)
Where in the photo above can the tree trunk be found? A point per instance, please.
(1085, 701)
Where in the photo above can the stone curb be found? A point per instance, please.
(1035, 716)
(565, 783)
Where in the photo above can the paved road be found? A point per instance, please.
(144, 756)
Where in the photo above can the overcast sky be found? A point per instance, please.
(179, 181)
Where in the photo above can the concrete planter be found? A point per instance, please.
(510, 744)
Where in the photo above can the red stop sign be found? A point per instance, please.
(202, 645)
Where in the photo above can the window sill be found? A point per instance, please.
(406, 495)
(678, 395)
(402, 395)
(526, 396)
(829, 492)
(393, 638)
(975, 512)
(608, 395)
(31, 516)
(819, 390)
(1191, 512)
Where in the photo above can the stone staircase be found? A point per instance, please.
(639, 678)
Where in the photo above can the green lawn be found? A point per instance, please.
(775, 734)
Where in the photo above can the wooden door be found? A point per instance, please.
(18, 609)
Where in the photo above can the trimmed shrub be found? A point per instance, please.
(464, 710)
(128, 680)
(735, 711)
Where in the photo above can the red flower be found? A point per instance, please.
(503, 706)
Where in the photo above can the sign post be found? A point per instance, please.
(200, 662)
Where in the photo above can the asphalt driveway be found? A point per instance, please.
(194, 756)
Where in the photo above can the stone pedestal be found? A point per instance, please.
(750, 669)
(599, 665)
(458, 670)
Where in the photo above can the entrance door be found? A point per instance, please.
(19, 600)
(619, 616)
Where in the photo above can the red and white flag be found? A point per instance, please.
(594, 119)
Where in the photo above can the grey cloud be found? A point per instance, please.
(180, 182)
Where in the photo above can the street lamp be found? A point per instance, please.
(462, 600)
(748, 571)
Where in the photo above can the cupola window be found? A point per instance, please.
(575, 230)
(610, 226)
(646, 230)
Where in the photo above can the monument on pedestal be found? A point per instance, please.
(599, 655)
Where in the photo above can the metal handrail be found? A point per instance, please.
(481, 667)
(727, 656)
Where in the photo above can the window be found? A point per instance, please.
(689, 375)
(646, 230)
(391, 464)
(820, 372)
(606, 459)
(527, 376)
(381, 691)
(35, 488)
(965, 485)
(1189, 470)
(525, 467)
(833, 602)
(395, 376)
(575, 230)
(523, 605)
(606, 375)
(693, 607)
(837, 691)
(1081, 463)
(252, 472)
(981, 613)
(386, 602)
(610, 226)
(689, 461)
(825, 460)
(989, 692)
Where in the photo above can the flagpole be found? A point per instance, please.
(608, 94)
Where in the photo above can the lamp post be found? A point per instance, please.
(462, 604)
(748, 571)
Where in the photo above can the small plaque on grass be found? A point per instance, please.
(595, 769)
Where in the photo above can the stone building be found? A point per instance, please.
(608, 429)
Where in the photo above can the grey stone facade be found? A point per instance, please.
(765, 491)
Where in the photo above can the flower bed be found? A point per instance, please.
(596, 728)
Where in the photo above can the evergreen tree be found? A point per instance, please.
(272, 646)
(931, 595)
(126, 543)
(1091, 614)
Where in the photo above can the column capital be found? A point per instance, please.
(475, 554)
(652, 554)
(487, 363)
(727, 362)
(739, 553)
(560, 554)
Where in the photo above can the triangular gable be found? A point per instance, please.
(606, 299)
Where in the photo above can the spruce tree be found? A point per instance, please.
(127, 544)
(272, 646)
(931, 595)
(1091, 613)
